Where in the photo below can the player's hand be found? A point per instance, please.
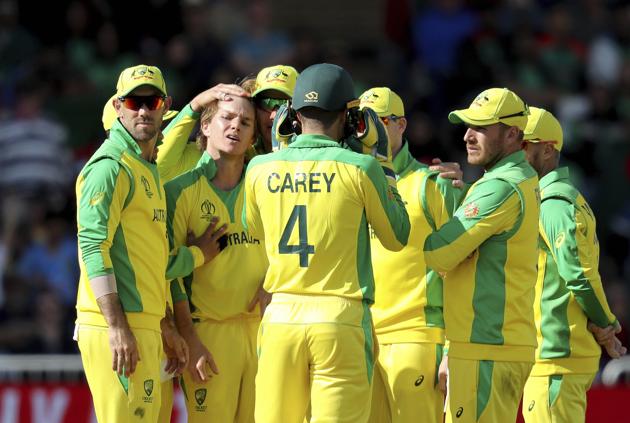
(371, 138)
(602, 335)
(208, 242)
(615, 348)
(125, 354)
(284, 129)
(201, 365)
(222, 92)
(262, 298)
(449, 170)
(176, 351)
(443, 374)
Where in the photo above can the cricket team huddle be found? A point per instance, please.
(297, 264)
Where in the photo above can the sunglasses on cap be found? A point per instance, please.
(135, 102)
(386, 119)
(269, 104)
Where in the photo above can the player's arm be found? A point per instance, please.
(563, 229)
(101, 191)
(493, 207)
(439, 199)
(176, 135)
(384, 209)
(251, 214)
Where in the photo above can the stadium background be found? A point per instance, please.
(59, 62)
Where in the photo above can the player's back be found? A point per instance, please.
(312, 203)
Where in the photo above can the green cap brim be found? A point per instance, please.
(460, 116)
(283, 90)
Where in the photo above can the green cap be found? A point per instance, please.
(324, 86)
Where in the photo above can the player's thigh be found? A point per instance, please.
(411, 370)
(166, 407)
(556, 398)
(117, 398)
(484, 391)
(282, 381)
(217, 399)
(379, 410)
(341, 372)
(247, 394)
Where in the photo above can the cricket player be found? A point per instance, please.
(488, 253)
(407, 312)
(272, 88)
(569, 291)
(124, 255)
(221, 291)
(312, 203)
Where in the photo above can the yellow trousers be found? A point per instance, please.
(556, 398)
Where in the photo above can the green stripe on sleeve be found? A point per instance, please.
(559, 223)
(554, 304)
(178, 291)
(364, 261)
(125, 275)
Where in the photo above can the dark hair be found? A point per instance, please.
(324, 117)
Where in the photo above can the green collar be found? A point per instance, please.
(512, 160)
(554, 176)
(120, 134)
(403, 159)
(313, 141)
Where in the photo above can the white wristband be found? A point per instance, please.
(103, 285)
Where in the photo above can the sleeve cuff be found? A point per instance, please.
(198, 258)
(188, 111)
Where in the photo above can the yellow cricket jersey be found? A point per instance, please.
(176, 155)
(121, 217)
(223, 288)
(569, 289)
(489, 251)
(408, 306)
(311, 203)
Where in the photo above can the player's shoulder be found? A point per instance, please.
(183, 181)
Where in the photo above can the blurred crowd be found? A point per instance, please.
(571, 57)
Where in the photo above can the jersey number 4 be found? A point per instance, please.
(303, 248)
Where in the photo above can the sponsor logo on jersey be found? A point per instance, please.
(207, 210)
(419, 381)
(559, 239)
(300, 182)
(147, 186)
(531, 405)
(459, 412)
(97, 198)
(311, 97)
(471, 210)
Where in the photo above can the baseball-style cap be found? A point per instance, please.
(136, 76)
(492, 106)
(543, 126)
(383, 101)
(324, 86)
(109, 114)
(281, 78)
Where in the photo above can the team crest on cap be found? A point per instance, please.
(480, 100)
(471, 210)
(142, 72)
(276, 75)
(311, 97)
(369, 98)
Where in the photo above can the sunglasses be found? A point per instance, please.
(135, 102)
(269, 104)
(386, 119)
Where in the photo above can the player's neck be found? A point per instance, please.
(229, 171)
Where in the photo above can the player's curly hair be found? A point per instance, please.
(248, 84)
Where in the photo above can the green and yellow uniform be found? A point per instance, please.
(488, 253)
(312, 203)
(219, 293)
(407, 313)
(122, 232)
(569, 293)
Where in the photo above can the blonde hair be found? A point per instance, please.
(208, 113)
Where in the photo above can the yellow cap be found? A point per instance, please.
(543, 126)
(281, 78)
(134, 77)
(492, 106)
(383, 101)
(109, 113)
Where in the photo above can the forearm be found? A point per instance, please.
(111, 309)
(183, 320)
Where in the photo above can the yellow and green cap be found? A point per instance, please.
(492, 106)
(280, 78)
(109, 113)
(383, 101)
(136, 76)
(542, 126)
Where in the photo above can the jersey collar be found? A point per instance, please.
(313, 141)
(119, 133)
(511, 160)
(403, 159)
(554, 176)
